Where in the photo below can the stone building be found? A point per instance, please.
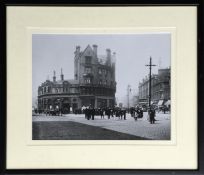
(93, 84)
(160, 88)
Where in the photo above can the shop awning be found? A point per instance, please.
(168, 102)
(160, 102)
(153, 103)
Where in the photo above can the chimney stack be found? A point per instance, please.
(62, 76)
(108, 52)
(114, 57)
(95, 49)
(54, 77)
(48, 78)
(77, 50)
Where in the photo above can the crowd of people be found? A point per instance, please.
(90, 113)
(119, 113)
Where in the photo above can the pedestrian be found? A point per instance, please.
(117, 113)
(112, 112)
(104, 113)
(124, 113)
(164, 109)
(132, 112)
(141, 113)
(152, 115)
(86, 113)
(121, 114)
(108, 113)
(136, 114)
(92, 113)
(101, 113)
(89, 113)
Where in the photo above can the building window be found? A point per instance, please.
(49, 89)
(65, 89)
(86, 91)
(83, 90)
(60, 89)
(87, 80)
(53, 90)
(105, 71)
(76, 76)
(88, 60)
(99, 71)
(87, 70)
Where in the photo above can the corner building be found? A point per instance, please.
(160, 88)
(93, 84)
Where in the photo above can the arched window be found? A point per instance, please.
(87, 80)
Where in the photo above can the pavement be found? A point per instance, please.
(69, 130)
(140, 128)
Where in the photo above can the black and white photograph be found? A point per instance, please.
(101, 86)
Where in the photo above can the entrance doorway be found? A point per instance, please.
(66, 108)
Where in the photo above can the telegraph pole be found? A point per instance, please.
(128, 96)
(150, 78)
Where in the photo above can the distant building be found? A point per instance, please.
(135, 100)
(120, 105)
(93, 84)
(160, 88)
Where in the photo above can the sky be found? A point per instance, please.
(55, 51)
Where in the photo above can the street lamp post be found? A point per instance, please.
(150, 78)
(128, 97)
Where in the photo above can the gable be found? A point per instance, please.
(88, 51)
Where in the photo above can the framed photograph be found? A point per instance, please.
(101, 96)
(102, 88)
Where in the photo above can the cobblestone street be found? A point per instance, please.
(140, 128)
